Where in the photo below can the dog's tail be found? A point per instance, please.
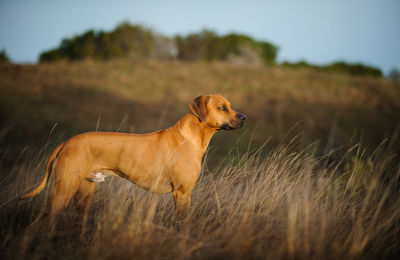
(47, 173)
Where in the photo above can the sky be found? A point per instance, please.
(318, 31)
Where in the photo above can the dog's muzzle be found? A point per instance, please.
(226, 126)
(234, 124)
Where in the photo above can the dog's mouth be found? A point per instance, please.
(235, 125)
(226, 126)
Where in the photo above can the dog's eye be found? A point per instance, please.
(223, 108)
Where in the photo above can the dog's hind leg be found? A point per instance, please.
(67, 179)
(83, 199)
(62, 192)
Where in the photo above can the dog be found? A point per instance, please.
(166, 161)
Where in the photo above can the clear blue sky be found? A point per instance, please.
(319, 31)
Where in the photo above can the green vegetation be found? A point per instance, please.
(4, 57)
(356, 69)
(394, 75)
(127, 41)
(136, 43)
(208, 46)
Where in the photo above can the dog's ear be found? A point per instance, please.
(199, 107)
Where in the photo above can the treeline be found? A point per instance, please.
(340, 66)
(136, 42)
(131, 41)
(208, 46)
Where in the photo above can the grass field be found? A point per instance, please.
(143, 97)
(314, 174)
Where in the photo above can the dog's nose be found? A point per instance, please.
(241, 116)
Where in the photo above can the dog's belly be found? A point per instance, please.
(156, 183)
(154, 177)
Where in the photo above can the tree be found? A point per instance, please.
(207, 45)
(394, 75)
(126, 41)
(4, 57)
(355, 69)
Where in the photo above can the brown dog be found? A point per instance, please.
(161, 162)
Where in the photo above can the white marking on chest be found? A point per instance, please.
(96, 177)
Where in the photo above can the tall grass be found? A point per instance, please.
(283, 204)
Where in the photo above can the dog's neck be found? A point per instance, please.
(199, 132)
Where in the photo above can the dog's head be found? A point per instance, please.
(216, 112)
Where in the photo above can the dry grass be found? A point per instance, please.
(287, 204)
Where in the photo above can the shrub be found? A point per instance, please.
(356, 69)
(126, 41)
(394, 75)
(4, 57)
(207, 45)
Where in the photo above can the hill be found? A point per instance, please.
(118, 95)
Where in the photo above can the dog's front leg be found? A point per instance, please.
(182, 204)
